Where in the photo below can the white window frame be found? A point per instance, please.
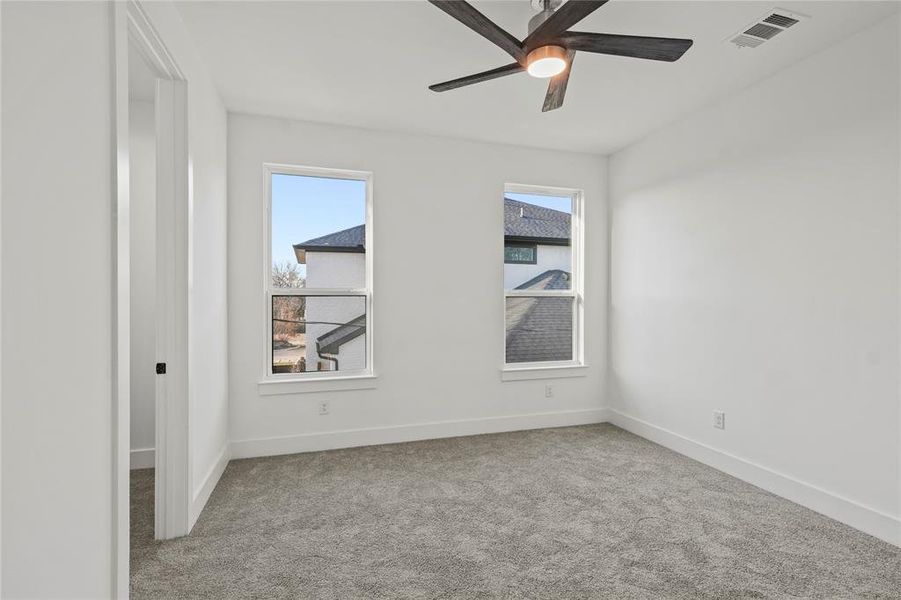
(576, 292)
(282, 383)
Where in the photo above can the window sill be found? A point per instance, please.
(525, 374)
(274, 387)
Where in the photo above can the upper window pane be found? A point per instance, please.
(318, 232)
(537, 242)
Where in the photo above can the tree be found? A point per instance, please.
(287, 311)
(286, 274)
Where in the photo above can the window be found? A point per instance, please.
(520, 254)
(542, 277)
(318, 273)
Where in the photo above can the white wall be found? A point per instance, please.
(142, 195)
(439, 331)
(755, 263)
(57, 327)
(57, 276)
(547, 258)
(208, 334)
(336, 269)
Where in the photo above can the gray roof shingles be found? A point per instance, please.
(555, 279)
(353, 238)
(540, 329)
(523, 220)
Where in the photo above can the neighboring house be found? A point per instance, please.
(335, 324)
(537, 255)
(536, 240)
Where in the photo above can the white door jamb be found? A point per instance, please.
(173, 469)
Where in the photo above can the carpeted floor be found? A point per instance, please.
(576, 512)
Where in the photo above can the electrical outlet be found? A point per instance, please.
(548, 391)
(323, 407)
(719, 419)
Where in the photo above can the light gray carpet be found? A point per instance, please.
(576, 512)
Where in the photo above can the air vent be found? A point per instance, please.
(780, 20)
(763, 31)
(746, 41)
(766, 28)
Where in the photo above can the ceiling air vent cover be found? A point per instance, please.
(766, 28)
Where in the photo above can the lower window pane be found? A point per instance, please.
(539, 329)
(318, 333)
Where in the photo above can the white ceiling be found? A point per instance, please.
(369, 64)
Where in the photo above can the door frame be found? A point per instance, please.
(172, 500)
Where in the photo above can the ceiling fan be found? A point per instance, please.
(549, 48)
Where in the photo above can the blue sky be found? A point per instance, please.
(561, 203)
(307, 207)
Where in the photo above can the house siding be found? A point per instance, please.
(335, 270)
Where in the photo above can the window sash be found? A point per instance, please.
(540, 293)
(341, 372)
(276, 291)
(269, 290)
(575, 292)
(301, 292)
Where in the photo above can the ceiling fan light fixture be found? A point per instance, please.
(546, 61)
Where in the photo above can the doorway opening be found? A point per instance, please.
(151, 291)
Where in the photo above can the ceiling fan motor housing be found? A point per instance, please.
(539, 5)
(546, 8)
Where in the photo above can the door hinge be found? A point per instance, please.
(160, 368)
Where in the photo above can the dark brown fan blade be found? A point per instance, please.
(653, 48)
(570, 13)
(556, 89)
(477, 78)
(472, 18)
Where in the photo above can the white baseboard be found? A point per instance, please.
(143, 458)
(350, 438)
(202, 494)
(876, 523)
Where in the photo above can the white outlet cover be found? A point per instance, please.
(719, 419)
